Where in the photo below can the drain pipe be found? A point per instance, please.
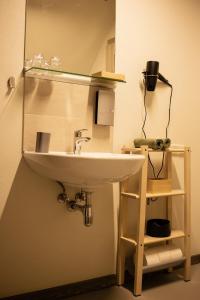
(82, 201)
(88, 209)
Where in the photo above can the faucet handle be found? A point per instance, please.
(78, 133)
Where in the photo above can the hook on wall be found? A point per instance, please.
(11, 82)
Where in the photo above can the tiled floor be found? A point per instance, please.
(155, 287)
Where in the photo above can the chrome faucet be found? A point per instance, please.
(78, 140)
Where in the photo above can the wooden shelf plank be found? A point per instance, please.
(175, 234)
(178, 150)
(130, 195)
(129, 240)
(176, 192)
(166, 194)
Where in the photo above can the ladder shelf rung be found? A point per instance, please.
(130, 195)
(175, 234)
(129, 240)
(176, 192)
(133, 150)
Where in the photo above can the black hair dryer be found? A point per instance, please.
(152, 74)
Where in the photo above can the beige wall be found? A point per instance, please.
(43, 245)
(12, 17)
(75, 31)
(42, 241)
(167, 31)
(48, 245)
(62, 108)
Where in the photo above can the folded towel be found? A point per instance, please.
(155, 144)
(167, 143)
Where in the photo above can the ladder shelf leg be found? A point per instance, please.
(141, 227)
(121, 231)
(187, 209)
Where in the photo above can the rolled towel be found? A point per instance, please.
(156, 144)
(166, 143)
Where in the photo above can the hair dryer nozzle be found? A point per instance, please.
(163, 79)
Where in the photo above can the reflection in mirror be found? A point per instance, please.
(72, 35)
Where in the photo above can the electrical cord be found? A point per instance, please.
(166, 130)
(145, 110)
(169, 111)
(143, 125)
(162, 164)
(152, 166)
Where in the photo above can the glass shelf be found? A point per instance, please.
(75, 78)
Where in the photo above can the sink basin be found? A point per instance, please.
(88, 169)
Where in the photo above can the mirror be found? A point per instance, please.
(78, 34)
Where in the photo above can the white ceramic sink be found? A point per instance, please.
(88, 169)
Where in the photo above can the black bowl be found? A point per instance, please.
(158, 227)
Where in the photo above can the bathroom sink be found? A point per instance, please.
(88, 169)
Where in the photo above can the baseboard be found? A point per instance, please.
(195, 259)
(65, 291)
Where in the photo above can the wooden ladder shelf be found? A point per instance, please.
(140, 240)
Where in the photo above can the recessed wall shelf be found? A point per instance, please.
(68, 77)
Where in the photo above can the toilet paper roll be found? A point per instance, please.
(162, 254)
(151, 259)
(176, 253)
